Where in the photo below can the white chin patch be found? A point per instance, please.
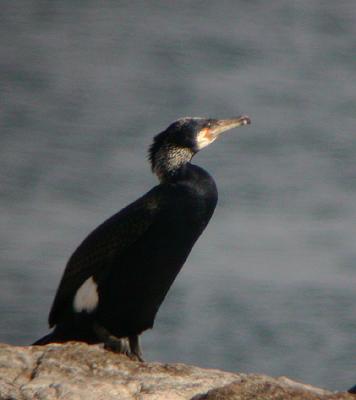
(204, 138)
(87, 297)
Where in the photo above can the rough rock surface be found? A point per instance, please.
(78, 371)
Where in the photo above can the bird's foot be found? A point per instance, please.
(129, 346)
(111, 342)
(123, 346)
(117, 345)
(135, 349)
(136, 357)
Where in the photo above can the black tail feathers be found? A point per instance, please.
(50, 338)
(81, 331)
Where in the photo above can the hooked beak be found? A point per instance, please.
(216, 126)
(221, 125)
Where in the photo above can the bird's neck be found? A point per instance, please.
(169, 160)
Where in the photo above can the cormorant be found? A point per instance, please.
(116, 280)
(352, 390)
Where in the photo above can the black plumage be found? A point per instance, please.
(116, 280)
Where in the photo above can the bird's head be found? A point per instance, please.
(185, 137)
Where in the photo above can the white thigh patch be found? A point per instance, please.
(87, 297)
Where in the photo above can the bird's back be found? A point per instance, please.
(143, 274)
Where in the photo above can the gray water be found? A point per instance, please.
(270, 286)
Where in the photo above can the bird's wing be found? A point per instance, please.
(106, 242)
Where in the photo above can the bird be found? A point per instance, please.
(118, 277)
(352, 389)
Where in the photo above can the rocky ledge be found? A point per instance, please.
(78, 371)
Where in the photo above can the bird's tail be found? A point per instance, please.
(58, 335)
(50, 338)
(83, 332)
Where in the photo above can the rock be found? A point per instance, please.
(79, 371)
(263, 387)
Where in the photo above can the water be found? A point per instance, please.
(270, 287)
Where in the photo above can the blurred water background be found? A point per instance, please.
(270, 286)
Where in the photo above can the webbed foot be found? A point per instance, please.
(117, 345)
(111, 342)
(135, 348)
(131, 346)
